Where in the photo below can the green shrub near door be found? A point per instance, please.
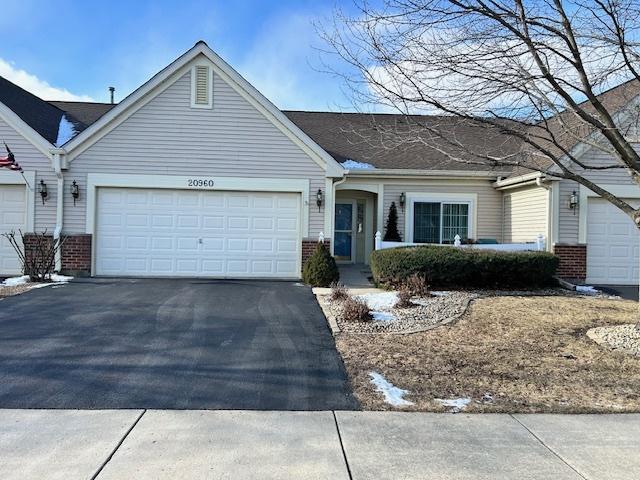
(320, 270)
(459, 267)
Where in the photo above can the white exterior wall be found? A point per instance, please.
(33, 160)
(489, 203)
(569, 219)
(525, 213)
(168, 137)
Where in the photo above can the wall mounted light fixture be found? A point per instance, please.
(403, 199)
(43, 191)
(319, 199)
(573, 201)
(75, 192)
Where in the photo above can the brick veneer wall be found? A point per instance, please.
(76, 252)
(573, 261)
(308, 247)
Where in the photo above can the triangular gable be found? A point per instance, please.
(170, 74)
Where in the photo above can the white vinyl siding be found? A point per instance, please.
(489, 202)
(168, 137)
(526, 213)
(31, 159)
(569, 219)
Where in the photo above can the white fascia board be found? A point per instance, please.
(413, 173)
(177, 68)
(180, 182)
(20, 126)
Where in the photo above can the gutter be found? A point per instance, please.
(58, 160)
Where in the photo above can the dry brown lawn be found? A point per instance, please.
(16, 290)
(530, 354)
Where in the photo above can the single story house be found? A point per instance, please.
(196, 173)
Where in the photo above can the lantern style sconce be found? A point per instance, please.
(75, 192)
(319, 199)
(573, 201)
(403, 199)
(43, 191)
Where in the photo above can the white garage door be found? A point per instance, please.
(12, 217)
(613, 245)
(143, 232)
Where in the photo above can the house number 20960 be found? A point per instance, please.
(199, 182)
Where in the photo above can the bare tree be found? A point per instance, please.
(531, 72)
(37, 255)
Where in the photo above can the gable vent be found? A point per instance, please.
(201, 86)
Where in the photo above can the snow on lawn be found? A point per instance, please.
(383, 316)
(24, 279)
(392, 394)
(353, 165)
(455, 404)
(379, 301)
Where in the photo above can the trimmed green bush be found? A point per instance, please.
(320, 270)
(463, 267)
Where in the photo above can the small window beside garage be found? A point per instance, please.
(201, 87)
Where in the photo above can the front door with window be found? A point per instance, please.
(343, 249)
(440, 222)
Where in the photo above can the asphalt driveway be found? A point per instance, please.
(169, 344)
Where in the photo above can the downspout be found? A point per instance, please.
(549, 212)
(57, 232)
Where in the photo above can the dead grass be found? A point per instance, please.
(10, 291)
(530, 354)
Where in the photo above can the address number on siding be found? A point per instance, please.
(199, 182)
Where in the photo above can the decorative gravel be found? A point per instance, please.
(625, 338)
(425, 314)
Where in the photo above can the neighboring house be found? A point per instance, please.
(197, 174)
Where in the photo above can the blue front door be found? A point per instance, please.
(343, 232)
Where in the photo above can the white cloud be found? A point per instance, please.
(38, 87)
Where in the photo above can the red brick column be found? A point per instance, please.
(309, 246)
(573, 261)
(76, 254)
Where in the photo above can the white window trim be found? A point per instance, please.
(14, 178)
(209, 104)
(470, 199)
(621, 191)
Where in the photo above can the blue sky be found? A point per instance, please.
(82, 47)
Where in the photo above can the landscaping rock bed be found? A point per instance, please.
(426, 313)
(625, 338)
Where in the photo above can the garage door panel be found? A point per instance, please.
(613, 244)
(13, 201)
(204, 233)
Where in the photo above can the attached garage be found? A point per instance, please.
(12, 217)
(197, 233)
(613, 244)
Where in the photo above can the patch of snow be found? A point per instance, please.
(455, 404)
(440, 293)
(587, 290)
(66, 131)
(392, 394)
(383, 317)
(353, 165)
(379, 301)
(24, 279)
(15, 281)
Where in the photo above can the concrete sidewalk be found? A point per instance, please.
(161, 444)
